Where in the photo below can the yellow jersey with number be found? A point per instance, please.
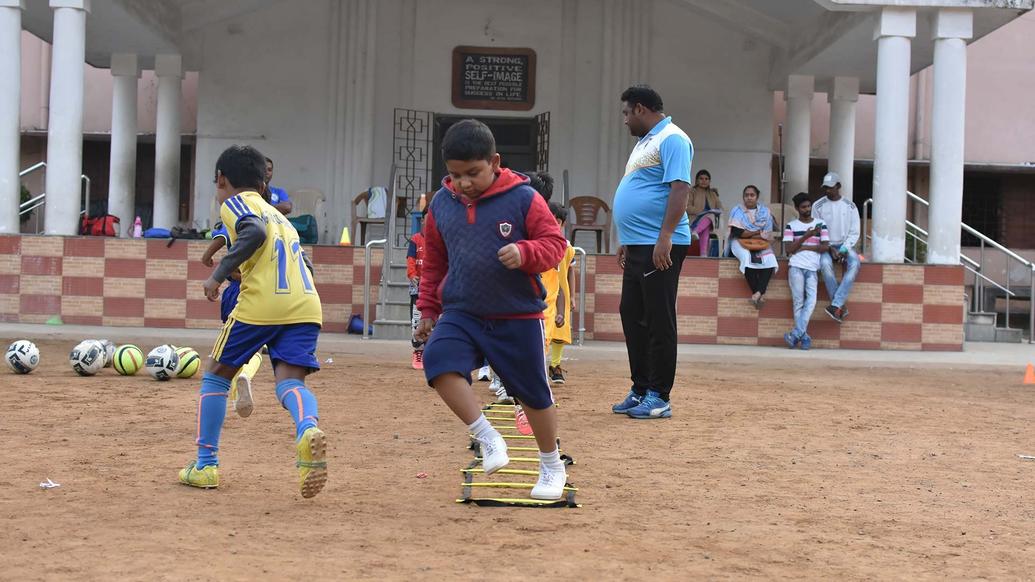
(276, 286)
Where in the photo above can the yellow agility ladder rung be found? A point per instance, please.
(506, 418)
(510, 485)
(516, 459)
(504, 472)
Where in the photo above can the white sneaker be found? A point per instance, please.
(243, 403)
(484, 374)
(550, 485)
(494, 453)
(501, 391)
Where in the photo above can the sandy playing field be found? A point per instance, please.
(766, 470)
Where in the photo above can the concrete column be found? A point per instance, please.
(65, 128)
(895, 28)
(951, 29)
(797, 145)
(123, 169)
(10, 95)
(169, 69)
(842, 98)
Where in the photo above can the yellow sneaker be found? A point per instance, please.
(207, 478)
(311, 463)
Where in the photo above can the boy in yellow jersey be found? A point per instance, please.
(558, 282)
(278, 307)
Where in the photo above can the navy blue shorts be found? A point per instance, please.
(293, 343)
(228, 300)
(513, 347)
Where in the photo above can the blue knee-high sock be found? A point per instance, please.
(300, 402)
(211, 413)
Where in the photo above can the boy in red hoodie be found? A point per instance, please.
(487, 237)
(414, 263)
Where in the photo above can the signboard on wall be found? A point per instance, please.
(493, 78)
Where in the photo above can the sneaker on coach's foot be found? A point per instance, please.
(790, 340)
(835, 313)
(632, 399)
(550, 485)
(243, 404)
(652, 406)
(484, 374)
(556, 375)
(418, 359)
(494, 453)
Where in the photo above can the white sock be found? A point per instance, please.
(481, 428)
(551, 459)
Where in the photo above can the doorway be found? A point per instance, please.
(521, 141)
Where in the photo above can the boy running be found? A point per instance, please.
(808, 238)
(488, 235)
(278, 307)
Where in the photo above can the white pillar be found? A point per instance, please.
(10, 95)
(123, 169)
(895, 28)
(797, 145)
(951, 28)
(842, 98)
(167, 141)
(65, 128)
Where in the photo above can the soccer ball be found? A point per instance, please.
(87, 358)
(109, 352)
(190, 362)
(128, 360)
(23, 356)
(162, 363)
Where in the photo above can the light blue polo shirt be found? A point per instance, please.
(663, 156)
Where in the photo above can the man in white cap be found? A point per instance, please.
(842, 219)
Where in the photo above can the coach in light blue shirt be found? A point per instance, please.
(654, 233)
(279, 198)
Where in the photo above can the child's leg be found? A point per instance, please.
(544, 425)
(211, 414)
(454, 390)
(241, 386)
(556, 353)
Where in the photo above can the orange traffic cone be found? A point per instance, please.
(1029, 375)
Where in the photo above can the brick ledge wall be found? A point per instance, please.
(147, 283)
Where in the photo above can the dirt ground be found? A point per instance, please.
(767, 470)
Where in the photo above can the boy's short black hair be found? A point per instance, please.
(468, 140)
(559, 212)
(243, 167)
(643, 95)
(799, 198)
(542, 182)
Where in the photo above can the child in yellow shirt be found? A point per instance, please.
(559, 282)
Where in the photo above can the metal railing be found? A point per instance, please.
(972, 266)
(581, 253)
(367, 254)
(41, 200)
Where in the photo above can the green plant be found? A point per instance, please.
(25, 198)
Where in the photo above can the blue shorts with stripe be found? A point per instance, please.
(228, 300)
(293, 343)
(513, 347)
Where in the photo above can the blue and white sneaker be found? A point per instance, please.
(632, 400)
(790, 340)
(652, 406)
(806, 342)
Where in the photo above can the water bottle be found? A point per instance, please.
(138, 228)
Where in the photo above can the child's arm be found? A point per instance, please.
(213, 248)
(571, 283)
(411, 262)
(544, 246)
(559, 318)
(433, 271)
(251, 234)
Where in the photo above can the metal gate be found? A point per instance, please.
(542, 146)
(412, 159)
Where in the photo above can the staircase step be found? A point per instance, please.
(981, 318)
(978, 332)
(1008, 336)
(392, 329)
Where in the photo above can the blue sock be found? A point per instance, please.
(211, 413)
(300, 402)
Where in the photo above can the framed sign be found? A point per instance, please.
(493, 78)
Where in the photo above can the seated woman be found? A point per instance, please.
(703, 208)
(751, 228)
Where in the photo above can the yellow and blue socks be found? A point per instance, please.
(211, 414)
(300, 402)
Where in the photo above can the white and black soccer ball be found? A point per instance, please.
(109, 352)
(23, 356)
(87, 358)
(162, 363)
